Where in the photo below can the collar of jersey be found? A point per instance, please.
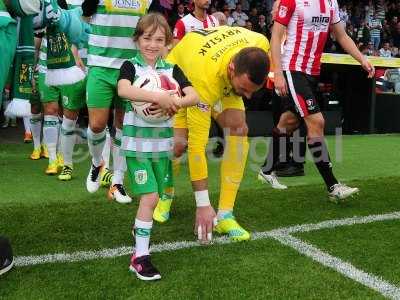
(138, 59)
(223, 72)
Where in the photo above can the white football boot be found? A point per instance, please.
(271, 179)
(341, 191)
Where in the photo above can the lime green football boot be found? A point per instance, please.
(162, 212)
(228, 225)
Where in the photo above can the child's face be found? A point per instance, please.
(152, 45)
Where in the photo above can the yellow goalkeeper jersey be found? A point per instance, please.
(204, 56)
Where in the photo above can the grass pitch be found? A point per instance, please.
(42, 215)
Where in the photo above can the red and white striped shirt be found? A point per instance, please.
(308, 23)
(189, 23)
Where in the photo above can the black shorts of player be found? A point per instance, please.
(301, 94)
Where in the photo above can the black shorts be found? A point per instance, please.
(301, 98)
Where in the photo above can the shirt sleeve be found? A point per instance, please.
(127, 71)
(179, 30)
(285, 11)
(335, 12)
(180, 77)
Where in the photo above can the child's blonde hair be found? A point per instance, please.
(154, 20)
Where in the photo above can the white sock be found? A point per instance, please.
(119, 161)
(50, 135)
(36, 128)
(142, 237)
(60, 120)
(67, 138)
(221, 214)
(96, 143)
(27, 124)
(107, 150)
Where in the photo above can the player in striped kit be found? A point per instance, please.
(307, 24)
(110, 43)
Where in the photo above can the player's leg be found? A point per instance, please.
(99, 100)
(50, 134)
(49, 96)
(27, 128)
(106, 175)
(162, 211)
(36, 127)
(117, 190)
(302, 89)
(319, 150)
(218, 150)
(233, 164)
(144, 184)
(73, 99)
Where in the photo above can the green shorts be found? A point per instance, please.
(149, 175)
(101, 89)
(72, 96)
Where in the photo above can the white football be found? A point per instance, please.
(153, 82)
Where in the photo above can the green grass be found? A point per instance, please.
(42, 215)
(370, 247)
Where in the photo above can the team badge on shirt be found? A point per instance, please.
(282, 11)
(141, 176)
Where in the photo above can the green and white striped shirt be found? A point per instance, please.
(143, 139)
(113, 26)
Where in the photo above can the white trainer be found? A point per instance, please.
(93, 179)
(341, 191)
(117, 193)
(271, 179)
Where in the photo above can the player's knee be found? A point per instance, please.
(51, 109)
(97, 127)
(315, 126)
(318, 123)
(239, 129)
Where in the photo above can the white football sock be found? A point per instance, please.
(142, 237)
(59, 150)
(67, 138)
(119, 162)
(27, 124)
(36, 128)
(50, 135)
(96, 143)
(107, 150)
(222, 213)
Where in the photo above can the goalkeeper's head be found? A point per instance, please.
(248, 71)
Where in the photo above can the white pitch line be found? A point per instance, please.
(340, 222)
(125, 250)
(378, 284)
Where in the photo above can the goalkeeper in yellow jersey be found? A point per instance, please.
(223, 64)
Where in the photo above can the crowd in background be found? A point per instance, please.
(373, 25)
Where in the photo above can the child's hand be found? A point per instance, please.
(167, 101)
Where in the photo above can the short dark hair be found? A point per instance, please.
(254, 62)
